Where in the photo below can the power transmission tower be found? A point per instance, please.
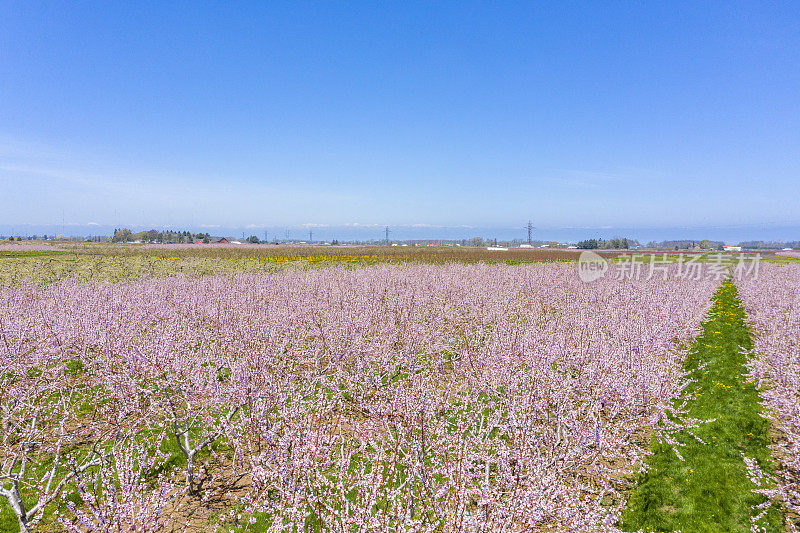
(530, 232)
(387, 235)
(266, 239)
(310, 236)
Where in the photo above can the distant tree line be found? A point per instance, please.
(611, 244)
(769, 245)
(703, 244)
(480, 242)
(154, 236)
(31, 237)
(72, 238)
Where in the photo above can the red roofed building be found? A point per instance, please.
(223, 241)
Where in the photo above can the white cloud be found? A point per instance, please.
(360, 225)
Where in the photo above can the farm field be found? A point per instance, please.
(773, 307)
(706, 485)
(373, 394)
(399, 267)
(49, 262)
(293, 251)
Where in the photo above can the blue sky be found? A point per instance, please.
(455, 115)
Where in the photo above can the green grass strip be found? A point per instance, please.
(710, 490)
(32, 253)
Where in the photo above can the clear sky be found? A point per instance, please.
(453, 114)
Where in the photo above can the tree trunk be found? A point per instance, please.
(190, 470)
(23, 526)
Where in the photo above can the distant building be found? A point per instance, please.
(223, 241)
(732, 248)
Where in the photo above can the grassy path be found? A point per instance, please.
(710, 490)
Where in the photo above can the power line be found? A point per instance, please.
(530, 232)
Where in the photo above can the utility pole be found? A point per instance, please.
(387, 235)
(530, 232)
